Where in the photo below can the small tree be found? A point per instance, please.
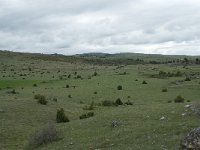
(61, 117)
(119, 102)
(119, 87)
(179, 99)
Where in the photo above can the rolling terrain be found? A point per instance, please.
(149, 117)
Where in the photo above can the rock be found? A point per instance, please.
(191, 141)
(187, 106)
(162, 118)
(115, 124)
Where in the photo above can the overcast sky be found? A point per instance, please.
(81, 26)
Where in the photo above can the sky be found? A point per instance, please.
(109, 26)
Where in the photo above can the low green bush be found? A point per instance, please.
(87, 115)
(60, 116)
(179, 99)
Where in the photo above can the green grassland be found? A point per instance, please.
(140, 125)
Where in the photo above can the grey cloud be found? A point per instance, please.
(70, 27)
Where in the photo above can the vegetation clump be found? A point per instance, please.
(144, 82)
(128, 103)
(107, 103)
(118, 102)
(41, 99)
(87, 115)
(60, 116)
(164, 90)
(119, 87)
(179, 99)
(44, 136)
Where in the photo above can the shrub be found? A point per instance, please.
(41, 99)
(95, 92)
(179, 99)
(119, 87)
(78, 76)
(169, 101)
(144, 82)
(119, 102)
(55, 99)
(69, 96)
(34, 84)
(67, 86)
(60, 116)
(91, 107)
(107, 103)
(128, 103)
(87, 115)
(95, 73)
(187, 79)
(164, 90)
(43, 136)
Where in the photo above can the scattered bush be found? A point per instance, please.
(107, 103)
(67, 86)
(78, 77)
(13, 91)
(164, 90)
(95, 92)
(55, 99)
(187, 79)
(169, 101)
(34, 84)
(128, 103)
(60, 116)
(43, 136)
(87, 115)
(179, 99)
(118, 102)
(144, 82)
(119, 87)
(41, 99)
(95, 73)
(91, 107)
(69, 96)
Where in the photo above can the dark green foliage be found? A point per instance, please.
(13, 91)
(55, 99)
(91, 107)
(128, 103)
(107, 103)
(188, 100)
(87, 115)
(78, 76)
(95, 92)
(164, 90)
(169, 101)
(119, 102)
(144, 82)
(41, 99)
(187, 79)
(69, 96)
(179, 99)
(119, 87)
(34, 84)
(43, 136)
(67, 86)
(60, 116)
(95, 73)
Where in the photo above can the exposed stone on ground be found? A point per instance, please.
(191, 141)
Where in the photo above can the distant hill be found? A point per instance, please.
(104, 58)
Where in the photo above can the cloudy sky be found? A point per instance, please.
(80, 26)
